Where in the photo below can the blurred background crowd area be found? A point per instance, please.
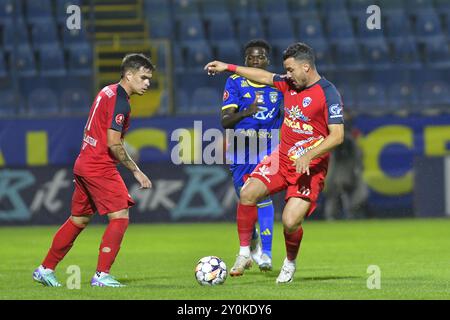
(49, 70)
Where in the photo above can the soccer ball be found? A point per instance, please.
(210, 271)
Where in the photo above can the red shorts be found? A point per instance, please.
(279, 174)
(104, 194)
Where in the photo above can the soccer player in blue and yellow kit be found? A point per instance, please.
(253, 110)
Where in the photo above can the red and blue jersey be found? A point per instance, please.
(110, 110)
(307, 115)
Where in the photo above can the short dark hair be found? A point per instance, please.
(259, 43)
(134, 61)
(300, 51)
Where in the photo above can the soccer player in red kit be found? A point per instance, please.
(98, 185)
(312, 127)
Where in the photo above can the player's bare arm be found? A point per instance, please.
(119, 152)
(254, 74)
(335, 138)
(231, 116)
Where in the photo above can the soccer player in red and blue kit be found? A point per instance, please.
(98, 185)
(313, 125)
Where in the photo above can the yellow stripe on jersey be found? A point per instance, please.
(255, 84)
(234, 76)
(229, 106)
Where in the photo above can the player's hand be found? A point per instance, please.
(215, 67)
(252, 109)
(143, 180)
(302, 164)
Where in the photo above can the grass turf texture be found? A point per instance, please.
(157, 262)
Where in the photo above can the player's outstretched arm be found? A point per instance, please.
(253, 74)
(119, 152)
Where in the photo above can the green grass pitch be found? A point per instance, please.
(157, 261)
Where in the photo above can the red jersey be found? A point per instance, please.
(110, 110)
(307, 115)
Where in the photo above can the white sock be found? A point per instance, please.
(289, 262)
(244, 251)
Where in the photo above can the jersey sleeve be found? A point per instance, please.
(119, 113)
(279, 81)
(230, 94)
(334, 105)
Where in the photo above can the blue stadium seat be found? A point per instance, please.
(38, 10)
(3, 70)
(270, 7)
(357, 8)
(182, 103)
(213, 9)
(250, 28)
(398, 25)
(428, 26)
(435, 94)
(391, 5)
(347, 94)
(44, 33)
(324, 59)
(80, 60)
(437, 53)
(415, 7)
(310, 29)
(443, 7)
(403, 96)
(74, 38)
(244, 9)
(61, 9)
(75, 101)
(366, 34)
(43, 102)
(229, 51)
(186, 9)
(178, 58)
(198, 54)
(348, 56)
(303, 8)
(405, 53)
(51, 61)
(221, 29)
(191, 30)
(206, 100)
(15, 34)
(280, 29)
(10, 9)
(160, 27)
(25, 63)
(371, 97)
(331, 7)
(9, 105)
(158, 9)
(376, 54)
(340, 27)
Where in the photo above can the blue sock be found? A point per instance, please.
(265, 220)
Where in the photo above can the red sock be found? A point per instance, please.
(246, 219)
(110, 246)
(62, 242)
(292, 241)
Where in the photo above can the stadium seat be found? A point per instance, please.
(437, 53)
(44, 33)
(160, 27)
(191, 30)
(15, 34)
(376, 54)
(332, 7)
(178, 58)
(398, 25)
(340, 27)
(206, 100)
(271, 7)
(74, 38)
(435, 94)
(415, 7)
(158, 9)
(357, 8)
(303, 8)
(38, 10)
(43, 102)
(280, 29)
(80, 60)
(443, 7)
(10, 9)
(182, 103)
(229, 51)
(250, 28)
(25, 63)
(9, 103)
(75, 101)
(186, 9)
(348, 56)
(428, 26)
(391, 5)
(3, 70)
(213, 9)
(244, 9)
(365, 34)
(310, 29)
(51, 61)
(198, 54)
(405, 54)
(324, 59)
(221, 29)
(347, 94)
(403, 96)
(61, 9)
(371, 97)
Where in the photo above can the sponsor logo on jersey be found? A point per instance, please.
(336, 111)
(120, 118)
(296, 114)
(226, 95)
(303, 146)
(108, 92)
(306, 101)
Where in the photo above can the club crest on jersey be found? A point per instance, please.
(119, 119)
(273, 96)
(226, 95)
(306, 101)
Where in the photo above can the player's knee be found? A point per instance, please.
(248, 196)
(291, 223)
(122, 214)
(81, 221)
